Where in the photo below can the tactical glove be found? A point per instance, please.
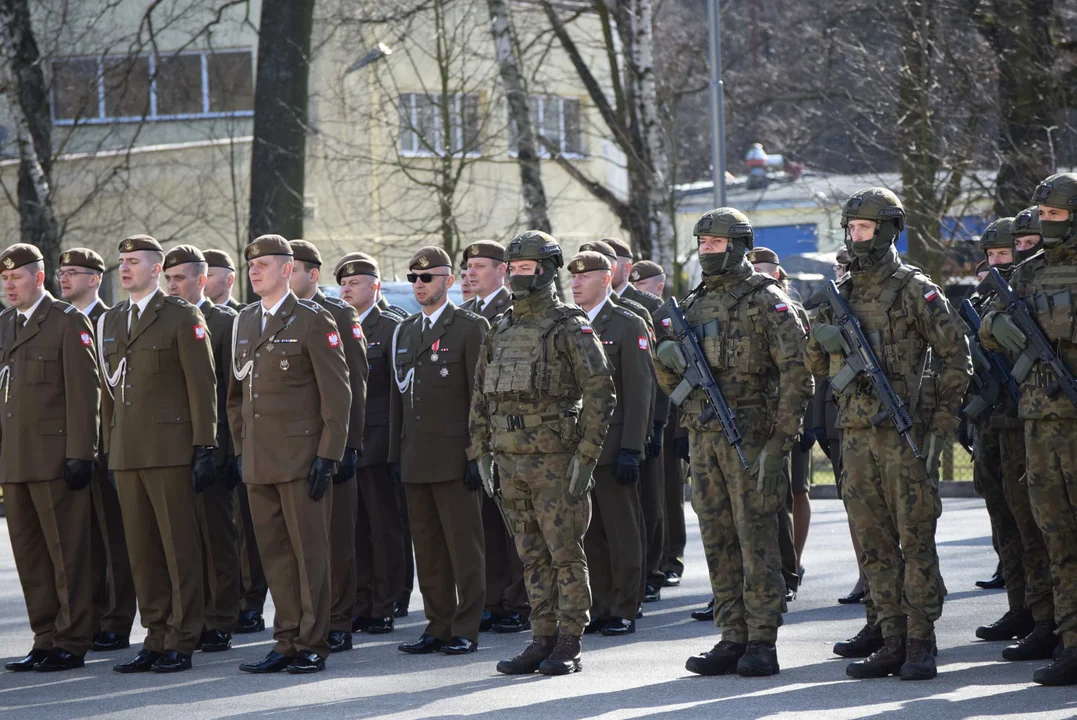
(654, 444)
(346, 469)
(767, 468)
(77, 473)
(933, 445)
(683, 449)
(627, 468)
(829, 336)
(1007, 333)
(472, 477)
(319, 477)
(233, 473)
(486, 470)
(581, 476)
(806, 440)
(670, 356)
(395, 476)
(203, 469)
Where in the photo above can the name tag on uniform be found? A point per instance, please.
(401, 350)
(241, 342)
(109, 340)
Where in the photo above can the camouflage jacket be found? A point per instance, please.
(754, 341)
(907, 320)
(543, 383)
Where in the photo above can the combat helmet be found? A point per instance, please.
(1026, 222)
(882, 207)
(998, 235)
(543, 249)
(1058, 191)
(729, 223)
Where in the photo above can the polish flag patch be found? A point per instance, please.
(587, 329)
(85, 338)
(357, 332)
(930, 295)
(667, 322)
(781, 307)
(334, 339)
(643, 342)
(199, 332)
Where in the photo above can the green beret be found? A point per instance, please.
(183, 254)
(140, 242)
(620, 247)
(428, 257)
(218, 258)
(82, 257)
(602, 247)
(587, 261)
(645, 269)
(763, 255)
(485, 249)
(18, 255)
(357, 263)
(267, 245)
(306, 252)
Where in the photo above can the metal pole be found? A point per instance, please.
(714, 24)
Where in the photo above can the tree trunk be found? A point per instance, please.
(28, 99)
(278, 156)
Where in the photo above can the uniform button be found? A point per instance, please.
(307, 432)
(257, 416)
(256, 395)
(416, 417)
(127, 386)
(255, 374)
(258, 354)
(128, 403)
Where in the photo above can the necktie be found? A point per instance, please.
(426, 328)
(265, 318)
(20, 323)
(134, 318)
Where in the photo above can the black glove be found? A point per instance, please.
(654, 444)
(346, 470)
(233, 472)
(394, 475)
(473, 478)
(682, 449)
(806, 440)
(319, 477)
(77, 473)
(627, 469)
(203, 469)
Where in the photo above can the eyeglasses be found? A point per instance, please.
(61, 274)
(425, 277)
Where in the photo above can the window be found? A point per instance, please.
(558, 120)
(421, 124)
(167, 87)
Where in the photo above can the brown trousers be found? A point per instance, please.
(409, 550)
(673, 521)
(379, 545)
(113, 587)
(343, 580)
(164, 544)
(614, 547)
(652, 498)
(505, 591)
(253, 586)
(446, 525)
(293, 537)
(49, 527)
(220, 556)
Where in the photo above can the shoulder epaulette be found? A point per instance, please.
(310, 305)
(468, 314)
(627, 313)
(225, 309)
(66, 307)
(335, 301)
(6, 311)
(176, 300)
(648, 295)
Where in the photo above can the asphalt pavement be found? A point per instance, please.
(639, 676)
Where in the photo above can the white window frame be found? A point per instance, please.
(151, 115)
(419, 148)
(537, 130)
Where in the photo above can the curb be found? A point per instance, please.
(947, 489)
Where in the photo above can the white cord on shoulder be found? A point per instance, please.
(118, 377)
(5, 380)
(405, 384)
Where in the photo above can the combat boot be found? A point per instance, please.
(565, 657)
(1062, 671)
(919, 660)
(529, 660)
(864, 643)
(1016, 623)
(1037, 645)
(719, 660)
(759, 660)
(884, 662)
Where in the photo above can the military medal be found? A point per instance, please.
(444, 372)
(434, 350)
(284, 364)
(269, 346)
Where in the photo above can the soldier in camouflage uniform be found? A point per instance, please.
(891, 495)
(542, 404)
(753, 340)
(1047, 282)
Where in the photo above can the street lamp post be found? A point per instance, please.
(717, 112)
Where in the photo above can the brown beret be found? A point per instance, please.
(587, 261)
(306, 252)
(140, 242)
(83, 257)
(218, 258)
(645, 269)
(602, 247)
(620, 247)
(183, 254)
(267, 245)
(430, 256)
(982, 266)
(485, 249)
(357, 263)
(763, 255)
(18, 255)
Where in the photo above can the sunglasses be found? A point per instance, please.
(425, 277)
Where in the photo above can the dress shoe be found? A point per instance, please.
(459, 646)
(619, 626)
(884, 662)
(595, 625)
(360, 624)
(531, 658)
(853, 598)
(27, 663)
(380, 626)
(997, 582)
(108, 641)
(720, 660)
(306, 662)
(565, 657)
(143, 662)
(172, 661)
(250, 621)
(760, 659)
(339, 641)
(919, 660)
(487, 621)
(864, 643)
(274, 662)
(652, 593)
(1037, 645)
(639, 611)
(706, 614)
(425, 645)
(1014, 624)
(59, 659)
(216, 641)
(1063, 671)
(512, 622)
(400, 610)
(790, 594)
(673, 579)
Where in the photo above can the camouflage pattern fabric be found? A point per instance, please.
(988, 482)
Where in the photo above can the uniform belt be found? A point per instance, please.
(522, 422)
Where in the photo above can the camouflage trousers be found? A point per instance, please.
(549, 526)
(1051, 463)
(1031, 571)
(894, 507)
(739, 529)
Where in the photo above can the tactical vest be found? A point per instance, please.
(1052, 305)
